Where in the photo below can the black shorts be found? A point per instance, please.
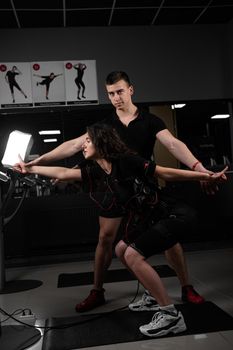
(165, 231)
(114, 212)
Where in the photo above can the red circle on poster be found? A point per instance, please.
(2, 67)
(36, 66)
(69, 65)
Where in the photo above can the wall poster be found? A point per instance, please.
(52, 83)
(15, 85)
(81, 82)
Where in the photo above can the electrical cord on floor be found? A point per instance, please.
(14, 313)
(46, 329)
(96, 316)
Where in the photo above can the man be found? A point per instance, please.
(139, 130)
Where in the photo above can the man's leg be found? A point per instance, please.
(182, 219)
(176, 260)
(103, 257)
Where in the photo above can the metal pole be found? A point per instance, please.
(2, 256)
(230, 109)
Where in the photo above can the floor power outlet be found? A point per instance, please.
(27, 319)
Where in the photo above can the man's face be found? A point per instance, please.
(120, 94)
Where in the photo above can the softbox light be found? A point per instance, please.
(19, 143)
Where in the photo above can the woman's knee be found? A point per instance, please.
(120, 249)
(132, 257)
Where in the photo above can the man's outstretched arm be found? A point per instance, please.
(65, 150)
(182, 153)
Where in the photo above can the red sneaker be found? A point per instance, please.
(94, 299)
(189, 295)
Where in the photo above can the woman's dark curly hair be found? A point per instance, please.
(107, 141)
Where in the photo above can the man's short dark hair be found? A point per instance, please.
(116, 76)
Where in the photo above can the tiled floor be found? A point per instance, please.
(211, 272)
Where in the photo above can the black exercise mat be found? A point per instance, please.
(15, 337)
(85, 278)
(122, 326)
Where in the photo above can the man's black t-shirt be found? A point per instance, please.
(140, 134)
(11, 77)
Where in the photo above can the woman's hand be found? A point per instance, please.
(20, 167)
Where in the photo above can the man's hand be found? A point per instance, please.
(210, 187)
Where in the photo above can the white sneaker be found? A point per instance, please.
(146, 303)
(163, 323)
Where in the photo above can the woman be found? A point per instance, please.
(118, 177)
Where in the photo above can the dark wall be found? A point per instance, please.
(165, 63)
(49, 225)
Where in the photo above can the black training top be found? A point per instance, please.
(140, 134)
(129, 185)
(11, 76)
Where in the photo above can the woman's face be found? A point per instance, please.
(88, 149)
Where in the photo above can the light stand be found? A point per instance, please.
(18, 146)
(18, 285)
(13, 337)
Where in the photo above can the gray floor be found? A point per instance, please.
(211, 272)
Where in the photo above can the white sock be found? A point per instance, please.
(170, 307)
(148, 293)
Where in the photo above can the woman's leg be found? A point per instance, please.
(167, 319)
(146, 274)
(120, 251)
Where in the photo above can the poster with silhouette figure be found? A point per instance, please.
(15, 85)
(48, 83)
(81, 82)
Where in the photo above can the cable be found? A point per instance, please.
(96, 316)
(10, 217)
(16, 312)
(73, 323)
